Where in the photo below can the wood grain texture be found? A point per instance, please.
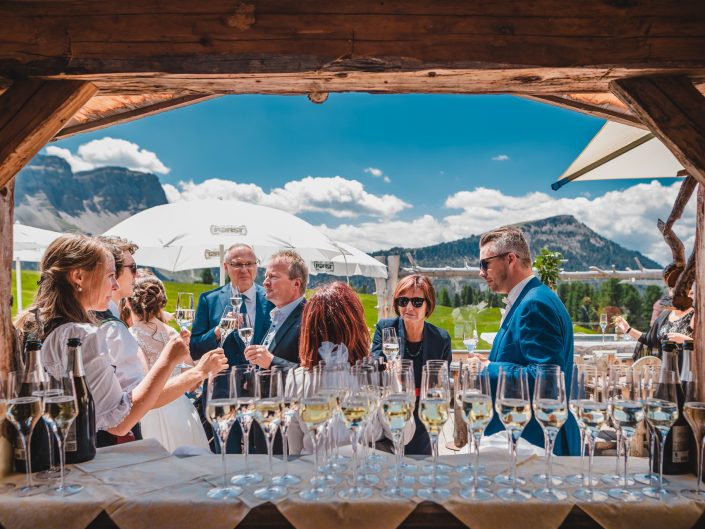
(7, 342)
(31, 113)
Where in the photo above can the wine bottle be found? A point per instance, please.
(41, 440)
(81, 437)
(678, 447)
(693, 409)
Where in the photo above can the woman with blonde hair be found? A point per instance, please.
(177, 423)
(77, 277)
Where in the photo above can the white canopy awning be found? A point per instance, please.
(621, 152)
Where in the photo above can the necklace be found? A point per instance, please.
(409, 353)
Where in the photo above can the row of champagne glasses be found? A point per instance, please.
(25, 398)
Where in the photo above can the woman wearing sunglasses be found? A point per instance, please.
(419, 341)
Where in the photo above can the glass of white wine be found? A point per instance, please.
(228, 323)
(315, 410)
(603, 325)
(184, 310)
(470, 337)
(475, 400)
(627, 412)
(397, 412)
(60, 410)
(514, 409)
(244, 329)
(221, 411)
(661, 411)
(551, 411)
(290, 408)
(243, 387)
(434, 413)
(390, 344)
(269, 398)
(588, 395)
(236, 299)
(24, 409)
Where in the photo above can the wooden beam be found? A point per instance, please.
(700, 292)
(674, 110)
(31, 113)
(7, 342)
(586, 108)
(131, 115)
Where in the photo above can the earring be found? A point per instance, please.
(79, 288)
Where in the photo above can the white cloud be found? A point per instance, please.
(378, 173)
(627, 217)
(110, 152)
(336, 196)
(500, 158)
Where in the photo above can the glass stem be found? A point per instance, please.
(270, 448)
(652, 449)
(434, 448)
(549, 462)
(353, 439)
(470, 437)
(619, 447)
(476, 467)
(28, 458)
(315, 435)
(222, 440)
(285, 448)
(51, 448)
(246, 446)
(700, 462)
(591, 454)
(583, 441)
(62, 455)
(398, 452)
(627, 440)
(661, 450)
(514, 463)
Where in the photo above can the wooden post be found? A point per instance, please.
(31, 113)
(7, 342)
(699, 366)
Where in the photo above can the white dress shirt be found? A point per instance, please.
(123, 351)
(514, 294)
(250, 302)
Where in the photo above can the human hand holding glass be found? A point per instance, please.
(184, 315)
(227, 324)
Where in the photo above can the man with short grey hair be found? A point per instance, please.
(285, 284)
(535, 330)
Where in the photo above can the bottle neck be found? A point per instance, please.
(669, 367)
(32, 365)
(77, 361)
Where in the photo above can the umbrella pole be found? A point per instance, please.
(221, 252)
(347, 277)
(18, 279)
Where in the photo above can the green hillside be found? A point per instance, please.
(488, 320)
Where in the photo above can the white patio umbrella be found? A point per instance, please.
(352, 262)
(28, 244)
(195, 234)
(620, 151)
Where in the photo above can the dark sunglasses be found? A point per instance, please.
(132, 267)
(403, 301)
(484, 262)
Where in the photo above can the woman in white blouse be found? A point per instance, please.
(333, 314)
(78, 276)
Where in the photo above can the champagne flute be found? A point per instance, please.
(228, 323)
(576, 377)
(470, 338)
(269, 398)
(60, 410)
(433, 412)
(355, 408)
(627, 412)
(514, 408)
(694, 412)
(184, 316)
(390, 344)
(603, 325)
(24, 409)
(475, 398)
(551, 412)
(290, 408)
(221, 411)
(244, 329)
(236, 299)
(647, 389)
(661, 412)
(315, 410)
(587, 390)
(243, 387)
(397, 412)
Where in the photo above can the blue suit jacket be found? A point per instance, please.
(537, 330)
(208, 312)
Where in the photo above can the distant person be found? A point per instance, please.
(535, 329)
(420, 341)
(285, 284)
(177, 423)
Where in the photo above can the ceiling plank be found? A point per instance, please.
(130, 115)
(674, 110)
(31, 113)
(586, 108)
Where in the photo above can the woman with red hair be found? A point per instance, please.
(419, 341)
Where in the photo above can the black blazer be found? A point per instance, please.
(285, 344)
(436, 341)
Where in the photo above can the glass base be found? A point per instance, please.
(434, 493)
(476, 494)
(513, 494)
(648, 478)
(316, 494)
(409, 468)
(333, 468)
(376, 458)
(325, 480)
(482, 481)
(398, 493)
(550, 494)
(67, 490)
(355, 493)
(367, 479)
(442, 468)
(403, 480)
(580, 479)
(224, 493)
(243, 480)
(29, 490)
(693, 494)
(286, 480)
(542, 479)
(590, 496)
(658, 493)
(614, 479)
(508, 480)
(468, 469)
(429, 481)
(370, 468)
(270, 492)
(626, 495)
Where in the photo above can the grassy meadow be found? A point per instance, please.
(488, 320)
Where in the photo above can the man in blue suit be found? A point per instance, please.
(535, 329)
(241, 266)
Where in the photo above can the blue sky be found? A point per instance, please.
(423, 168)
